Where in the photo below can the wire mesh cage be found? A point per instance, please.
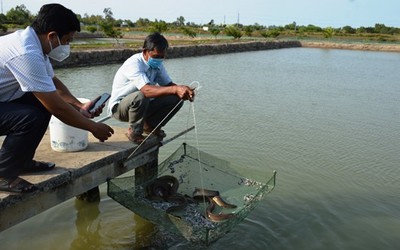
(200, 221)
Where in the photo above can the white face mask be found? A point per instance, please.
(60, 53)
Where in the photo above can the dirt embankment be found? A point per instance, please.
(108, 56)
(352, 46)
(99, 57)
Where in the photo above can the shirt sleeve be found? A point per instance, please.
(33, 72)
(136, 74)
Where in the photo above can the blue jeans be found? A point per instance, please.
(23, 121)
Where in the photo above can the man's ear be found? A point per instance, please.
(145, 54)
(50, 40)
(51, 35)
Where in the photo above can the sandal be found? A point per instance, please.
(16, 185)
(37, 166)
(135, 138)
(158, 132)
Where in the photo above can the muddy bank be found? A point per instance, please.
(353, 46)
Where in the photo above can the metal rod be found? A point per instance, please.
(104, 118)
(176, 136)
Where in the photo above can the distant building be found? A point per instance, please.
(205, 28)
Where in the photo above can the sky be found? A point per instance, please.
(322, 13)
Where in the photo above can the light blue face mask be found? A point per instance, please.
(155, 63)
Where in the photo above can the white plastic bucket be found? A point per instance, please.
(64, 138)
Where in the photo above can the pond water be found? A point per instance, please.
(326, 120)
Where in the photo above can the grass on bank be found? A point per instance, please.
(126, 44)
(132, 38)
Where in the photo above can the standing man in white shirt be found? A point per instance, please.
(143, 94)
(30, 93)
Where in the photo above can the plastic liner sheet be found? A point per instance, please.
(194, 169)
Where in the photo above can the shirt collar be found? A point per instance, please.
(145, 62)
(37, 40)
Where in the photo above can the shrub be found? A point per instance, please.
(91, 29)
(271, 33)
(215, 31)
(328, 32)
(158, 26)
(188, 32)
(233, 31)
(3, 28)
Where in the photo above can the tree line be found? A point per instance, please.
(21, 16)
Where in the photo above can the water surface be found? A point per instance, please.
(326, 120)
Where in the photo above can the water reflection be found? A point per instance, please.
(97, 230)
(87, 225)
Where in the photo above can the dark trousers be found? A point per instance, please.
(159, 108)
(136, 109)
(23, 121)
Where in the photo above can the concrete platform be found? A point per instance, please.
(75, 173)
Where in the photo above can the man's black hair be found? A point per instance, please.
(55, 17)
(155, 41)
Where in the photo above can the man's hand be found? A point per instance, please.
(102, 131)
(86, 106)
(184, 92)
(70, 116)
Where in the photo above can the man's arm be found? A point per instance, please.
(182, 91)
(53, 102)
(66, 95)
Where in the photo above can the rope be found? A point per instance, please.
(159, 124)
(198, 157)
(197, 88)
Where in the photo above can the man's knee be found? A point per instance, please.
(176, 101)
(35, 120)
(138, 99)
(172, 100)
